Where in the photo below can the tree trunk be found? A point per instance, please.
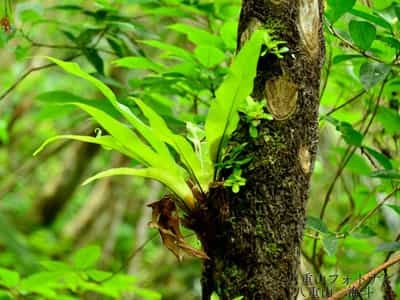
(253, 237)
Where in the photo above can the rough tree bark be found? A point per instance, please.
(254, 237)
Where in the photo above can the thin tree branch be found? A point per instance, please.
(28, 72)
(364, 280)
(352, 205)
(347, 43)
(351, 100)
(346, 158)
(373, 211)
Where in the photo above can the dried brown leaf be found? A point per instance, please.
(165, 217)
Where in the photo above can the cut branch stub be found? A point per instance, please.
(305, 159)
(252, 26)
(309, 23)
(166, 219)
(281, 94)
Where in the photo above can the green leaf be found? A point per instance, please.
(166, 11)
(107, 141)
(98, 275)
(228, 34)
(51, 265)
(349, 134)
(364, 232)
(389, 120)
(135, 148)
(74, 69)
(317, 224)
(8, 278)
(391, 41)
(193, 164)
(4, 137)
(161, 159)
(95, 59)
(344, 57)
(209, 56)
(118, 143)
(139, 62)
(66, 7)
(223, 117)
(87, 257)
(42, 283)
(362, 33)
(337, 8)
(330, 244)
(215, 296)
(198, 36)
(63, 97)
(397, 11)
(147, 294)
(170, 49)
(4, 295)
(381, 158)
(358, 165)
(396, 208)
(388, 247)
(175, 183)
(122, 134)
(115, 286)
(100, 108)
(372, 73)
(377, 20)
(386, 174)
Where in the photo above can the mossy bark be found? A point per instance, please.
(253, 237)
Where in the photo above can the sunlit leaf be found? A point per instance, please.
(87, 257)
(198, 36)
(344, 57)
(386, 174)
(209, 56)
(8, 278)
(362, 33)
(179, 143)
(170, 49)
(337, 8)
(222, 117)
(107, 141)
(138, 62)
(373, 18)
(74, 68)
(172, 181)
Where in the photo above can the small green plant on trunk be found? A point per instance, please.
(190, 173)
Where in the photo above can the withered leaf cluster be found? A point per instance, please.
(166, 219)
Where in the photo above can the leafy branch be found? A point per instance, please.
(365, 279)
